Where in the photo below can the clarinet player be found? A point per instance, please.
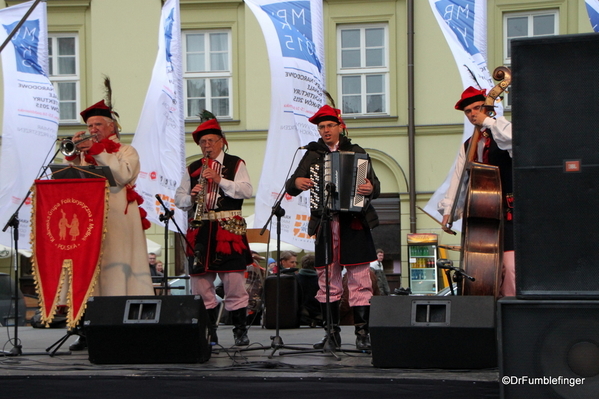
(350, 245)
(213, 191)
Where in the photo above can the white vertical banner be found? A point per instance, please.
(30, 117)
(160, 135)
(294, 38)
(464, 25)
(593, 11)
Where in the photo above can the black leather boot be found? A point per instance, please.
(240, 331)
(334, 331)
(79, 345)
(213, 325)
(81, 342)
(361, 316)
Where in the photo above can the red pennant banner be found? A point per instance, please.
(68, 223)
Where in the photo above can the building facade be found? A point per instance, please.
(367, 61)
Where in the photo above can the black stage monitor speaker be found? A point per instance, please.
(556, 166)
(548, 349)
(451, 332)
(288, 302)
(147, 329)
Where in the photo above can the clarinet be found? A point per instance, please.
(201, 197)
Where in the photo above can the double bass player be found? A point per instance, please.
(493, 148)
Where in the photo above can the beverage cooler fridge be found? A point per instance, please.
(422, 251)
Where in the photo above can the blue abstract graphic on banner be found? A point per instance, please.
(26, 41)
(168, 35)
(593, 17)
(293, 22)
(459, 16)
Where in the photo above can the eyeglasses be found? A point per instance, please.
(329, 126)
(204, 143)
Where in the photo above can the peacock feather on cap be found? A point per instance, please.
(206, 115)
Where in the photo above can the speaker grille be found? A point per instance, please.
(549, 339)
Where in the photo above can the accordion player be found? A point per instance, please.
(343, 239)
(336, 181)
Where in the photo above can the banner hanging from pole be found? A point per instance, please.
(69, 222)
(593, 11)
(464, 25)
(30, 116)
(293, 31)
(160, 135)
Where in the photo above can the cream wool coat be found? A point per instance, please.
(124, 270)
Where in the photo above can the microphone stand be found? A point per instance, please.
(14, 223)
(169, 215)
(324, 231)
(458, 275)
(277, 341)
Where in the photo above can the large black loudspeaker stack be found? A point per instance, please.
(549, 336)
(556, 166)
(147, 329)
(451, 332)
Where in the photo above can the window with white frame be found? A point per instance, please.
(63, 62)
(363, 68)
(207, 72)
(526, 24)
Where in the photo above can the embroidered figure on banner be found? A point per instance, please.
(74, 232)
(62, 225)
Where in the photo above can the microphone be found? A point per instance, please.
(167, 211)
(311, 146)
(448, 264)
(160, 200)
(166, 208)
(445, 264)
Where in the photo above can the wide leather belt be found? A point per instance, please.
(214, 216)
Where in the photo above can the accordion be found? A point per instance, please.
(336, 182)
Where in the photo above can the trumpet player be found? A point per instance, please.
(213, 191)
(124, 268)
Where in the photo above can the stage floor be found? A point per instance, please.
(230, 370)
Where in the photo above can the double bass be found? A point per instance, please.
(482, 221)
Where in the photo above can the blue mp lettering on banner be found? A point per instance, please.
(26, 42)
(459, 16)
(293, 22)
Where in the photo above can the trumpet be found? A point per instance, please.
(68, 147)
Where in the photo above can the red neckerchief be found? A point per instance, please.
(111, 147)
(105, 145)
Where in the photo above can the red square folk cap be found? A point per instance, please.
(98, 109)
(469, 96)
(327, 113)
(210, 126)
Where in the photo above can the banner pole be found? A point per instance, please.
(21, 22)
